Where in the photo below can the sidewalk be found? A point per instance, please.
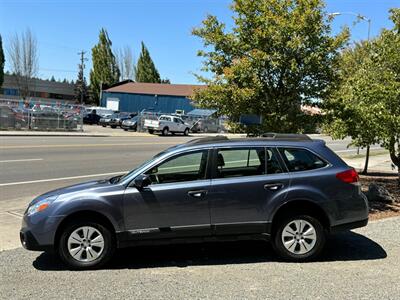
(377, 163)
(99, 131)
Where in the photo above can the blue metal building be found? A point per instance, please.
(163, 98)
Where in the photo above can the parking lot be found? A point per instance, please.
(357, 265)
(362, 264)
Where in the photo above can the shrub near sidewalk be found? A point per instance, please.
(384, 202)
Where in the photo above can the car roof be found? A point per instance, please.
(270, 139)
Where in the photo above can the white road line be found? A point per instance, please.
(20, 160)
(355, 149)
(61, 179)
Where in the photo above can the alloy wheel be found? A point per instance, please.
(299, 237)
(85, 244)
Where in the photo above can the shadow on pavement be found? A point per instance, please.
(347, 246)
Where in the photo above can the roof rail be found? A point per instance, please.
(208, 139)
(286, 136)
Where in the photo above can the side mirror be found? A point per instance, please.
(141, 181)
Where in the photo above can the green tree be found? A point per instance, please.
(352, 106)
(278, 55)
(366, 101)
(105, 69)
(52, 79)
(81, 89)
(386, 56)
(2, 61)
(145, 70)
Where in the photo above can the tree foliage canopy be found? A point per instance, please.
(145, 70)
(278, 55)
(366, 102)
(105, 69)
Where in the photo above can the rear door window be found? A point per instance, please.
(240, 162)
(298, 159)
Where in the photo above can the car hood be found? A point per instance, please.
(90, 186)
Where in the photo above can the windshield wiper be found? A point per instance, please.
(115, 179)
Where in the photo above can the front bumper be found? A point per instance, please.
(38, 231)
(125, 126)
(29, 242)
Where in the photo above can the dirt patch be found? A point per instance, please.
(379, 210)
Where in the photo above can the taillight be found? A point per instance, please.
(349, 176)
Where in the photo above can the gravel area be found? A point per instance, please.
(364, 264)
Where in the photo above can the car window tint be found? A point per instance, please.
(185, 167)
(240, 162)
(301, 159)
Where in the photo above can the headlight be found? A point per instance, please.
(41, 205)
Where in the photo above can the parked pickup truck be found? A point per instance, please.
(166, 124)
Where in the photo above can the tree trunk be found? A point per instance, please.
(393, 156)
(365, 171)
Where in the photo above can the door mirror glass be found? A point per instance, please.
(141, 181)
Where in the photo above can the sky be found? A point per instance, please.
(65, 27)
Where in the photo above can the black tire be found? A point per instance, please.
(126, 129)
(113, 126)
(104, 125)
(165, 131)
(151, 131)
(104, 257)
(186, 132)
(281, 250)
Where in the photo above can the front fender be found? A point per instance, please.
(100, 205)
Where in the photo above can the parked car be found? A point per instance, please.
(118, 118)
(105, 120)
(130, 124)
(288, 189)
(91, 118)
(166, 124)
(206, 125)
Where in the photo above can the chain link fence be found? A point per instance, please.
(40, 115)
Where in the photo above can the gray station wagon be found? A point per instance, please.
(288, 189)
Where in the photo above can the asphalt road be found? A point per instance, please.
(30, 166)
(364, 264)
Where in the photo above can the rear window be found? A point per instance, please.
(301, 159)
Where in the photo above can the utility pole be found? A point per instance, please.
(81, 69)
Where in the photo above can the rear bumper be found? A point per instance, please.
(348, 226)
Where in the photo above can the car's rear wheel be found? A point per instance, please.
(86, 245)
(151, 131)
(299, 238)
(186, 132)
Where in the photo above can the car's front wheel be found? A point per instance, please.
(86, 245)
(299, 238)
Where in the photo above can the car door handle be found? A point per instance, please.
(273, 186)
(197, 194)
